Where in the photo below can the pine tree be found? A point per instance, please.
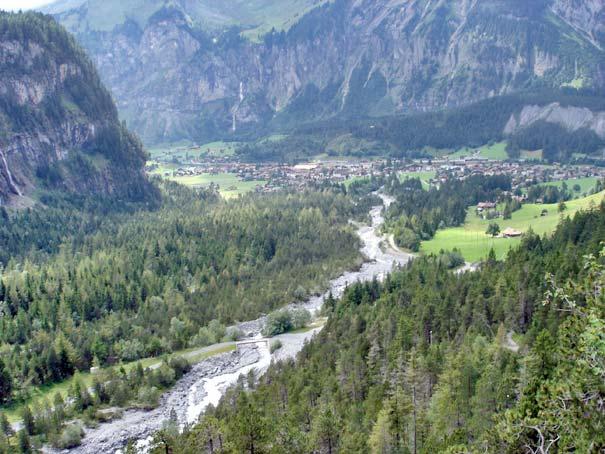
(381, 440)
(6, 383)
(5, 426)
(24, 443)
(29, 423)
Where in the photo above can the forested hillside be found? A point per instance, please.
(505, 359)
(149, 282)
(564, 122)
(59, 127)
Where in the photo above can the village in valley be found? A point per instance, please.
(270, 177)
(540, 192)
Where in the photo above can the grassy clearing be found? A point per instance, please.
(474, 244)
(184, 150)
(162, 168)
(218, 149)
(495, 152)
(40, 393)
(586, 185)
(348, 182)
(532, 155)
(316, 324)
(229, 184)
(424, 177)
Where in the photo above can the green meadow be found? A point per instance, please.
(496, 152)
(424, 177)
(229, 184)
(475, 244)
(586, 184)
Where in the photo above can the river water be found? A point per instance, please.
(206, 383)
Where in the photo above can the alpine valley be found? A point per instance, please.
(302, 226)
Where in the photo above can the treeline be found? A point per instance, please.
(412, 135)
(416, 214)
(427, 362)
(543, 193)
(39, 232)
(558, 144)
(152, 283)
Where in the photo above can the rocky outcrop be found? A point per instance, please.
(59, 128)
(174, 78)
(586, 16)
(571, 118)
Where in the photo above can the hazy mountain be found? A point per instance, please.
(59, 127)
(198, 70)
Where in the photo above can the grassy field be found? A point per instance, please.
(424, 177)
(39, 393)
(472, 240)
(586, 184)
(532, 155)
(182, 150)
(229, 184)
(496, 152)
(348, 182)
(162, 168)
(219, 149)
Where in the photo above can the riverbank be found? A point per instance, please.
(207, 381)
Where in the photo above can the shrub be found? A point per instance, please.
(300, 318)
(179, 365)
(285, 320)
(275, 345)
(149, 397)
(70, 437)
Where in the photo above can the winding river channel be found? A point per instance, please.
(207, 381)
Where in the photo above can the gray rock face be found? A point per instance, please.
(52, 108)
(571, 118)
(586, 16)
(175, 79)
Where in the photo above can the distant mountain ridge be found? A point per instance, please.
(176, 74)
(59, 127)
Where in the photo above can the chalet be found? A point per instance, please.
(486, 206)
(511, 233)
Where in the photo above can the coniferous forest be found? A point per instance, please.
(422, 363)
(144, 283)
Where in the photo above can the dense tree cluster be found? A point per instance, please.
(52, 421)
(426, 362)
(558, 143)
(154, 280)
(412, 135)
(416, 214)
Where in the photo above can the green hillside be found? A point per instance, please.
(475, 244)
(257, 16)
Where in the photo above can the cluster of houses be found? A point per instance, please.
(277, 175)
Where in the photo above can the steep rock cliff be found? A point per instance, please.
(59, 127)
(174, 76)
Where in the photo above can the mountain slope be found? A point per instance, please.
(255, 16)
(59, 127)
(176, 76)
